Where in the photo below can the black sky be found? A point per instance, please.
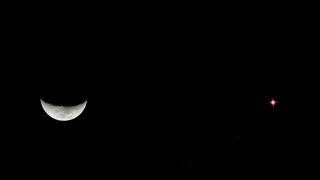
(176, 89)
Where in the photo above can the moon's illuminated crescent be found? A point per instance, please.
(63, 113)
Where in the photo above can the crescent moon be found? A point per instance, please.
(63, 113)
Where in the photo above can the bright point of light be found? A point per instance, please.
(273, 102)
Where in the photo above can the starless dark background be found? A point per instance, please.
(181, 88)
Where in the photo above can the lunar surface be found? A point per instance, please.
(63, 113)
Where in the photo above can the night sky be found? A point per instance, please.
(167, 90)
